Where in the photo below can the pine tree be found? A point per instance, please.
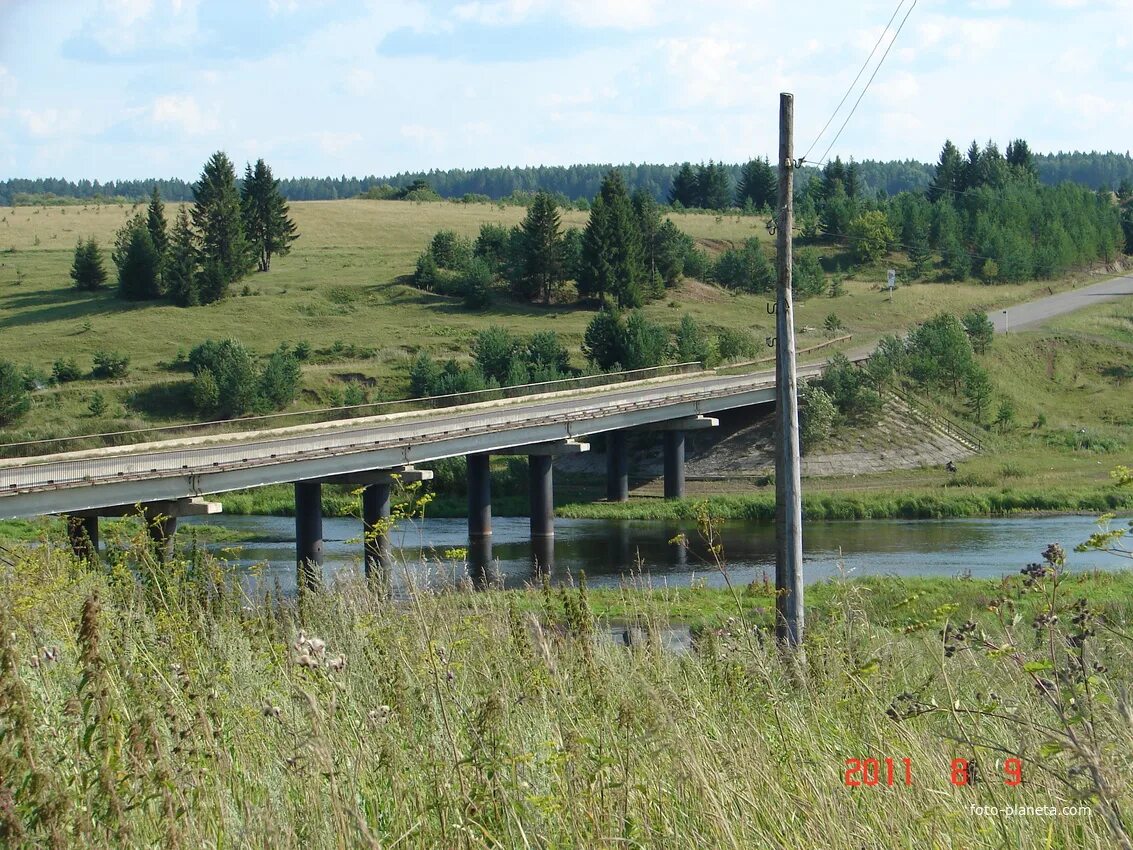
(648, 218)
(611, 246)
(87, 269)
(180, 274)
(155, 222)
(757, 184)
(542, 263)
(224, 250)
(265, 214)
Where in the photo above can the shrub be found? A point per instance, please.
(450, 251)
(15, 400)
(65, 371)
(206, 393)
(110, 364)
(96, 406)
(424, 376)
(279, 381)
(817, 415)
(476, 282)
(494, 350)
(690, 344)
(87, 269)
(732, 344)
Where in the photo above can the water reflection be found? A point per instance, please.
(611, 550)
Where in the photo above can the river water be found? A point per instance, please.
(612, 550)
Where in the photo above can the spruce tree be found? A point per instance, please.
(181, 284)
(758, 184)
(155, 222)
(949, 175)
(265, 213)
(649, 225)
(139, 264)
(87, 270)
(683, 190)
(224, 250)
(611, 246)
(542, 260)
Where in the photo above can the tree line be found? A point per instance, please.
(1094, 169)
(226, 233)
(985, 213)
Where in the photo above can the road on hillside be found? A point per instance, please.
(1032, 313)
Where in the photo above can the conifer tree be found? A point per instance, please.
(155, 222)
(87, 270)
(758, 184)
(611, 246)
(683, 191)
(138, 263)
(542, 249)
(224, 251)
(265, 212)
(180, 271)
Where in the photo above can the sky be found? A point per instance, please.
(116, 89)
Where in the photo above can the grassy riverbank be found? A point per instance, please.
(164, 710)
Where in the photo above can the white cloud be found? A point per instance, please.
(336, 143)
(590, 14)
(7, 83)
(360, 81)
(184, 112)
(51, 123)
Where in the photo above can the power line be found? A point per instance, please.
(870, 80)
(861, 71)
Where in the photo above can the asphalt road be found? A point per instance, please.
(1032, 313)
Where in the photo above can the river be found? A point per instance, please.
(609, 550)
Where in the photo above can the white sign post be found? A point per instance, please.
(892, 282)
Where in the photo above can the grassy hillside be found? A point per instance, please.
(343, 290)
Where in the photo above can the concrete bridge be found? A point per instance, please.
(170, 478)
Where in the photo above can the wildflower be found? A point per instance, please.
(379, 716)
(336, 663)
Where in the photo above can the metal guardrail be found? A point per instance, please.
(746, 364)
(932, 417)
(32, 448)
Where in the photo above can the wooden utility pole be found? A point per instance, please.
(788, 481)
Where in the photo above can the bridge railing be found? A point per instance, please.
(53, 445)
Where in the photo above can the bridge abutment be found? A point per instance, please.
(309, 534)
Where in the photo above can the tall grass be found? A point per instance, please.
(145, 705)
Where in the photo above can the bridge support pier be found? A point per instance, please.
(479, 497)
(480, 561)
(375, 529)
(309, 534)
(617, 467)
(541, 472)
(83, 534)
(161, 526)
(674, 442)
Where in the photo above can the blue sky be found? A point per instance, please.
(142, 88)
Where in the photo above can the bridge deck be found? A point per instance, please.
(179, 469)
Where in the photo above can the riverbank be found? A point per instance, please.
(509, 719)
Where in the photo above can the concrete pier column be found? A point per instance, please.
(161, 527)
(617, 467)
(309, 533)
(674, 464)
(480, 561)
(83, 534)
(479, 497)
(540, 469)
(542, 555)
(375, 529)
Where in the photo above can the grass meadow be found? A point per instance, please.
(145, 705)
(343, 289)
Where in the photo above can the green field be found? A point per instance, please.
(343, 289)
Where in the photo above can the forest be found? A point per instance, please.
(575, 182)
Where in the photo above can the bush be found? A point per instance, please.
(546, 357)
(817, 415)
(424, 376)
(96, 406)
(450, 251)
(833, 324)
(747, 269)
(65, 371)
(206, 393)
(110, 364)
(732, 344)
(241, 387)
(476, 282)
(279, 381)
(15, 400)
(690, 344)
(604, 340)
(494, 350)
